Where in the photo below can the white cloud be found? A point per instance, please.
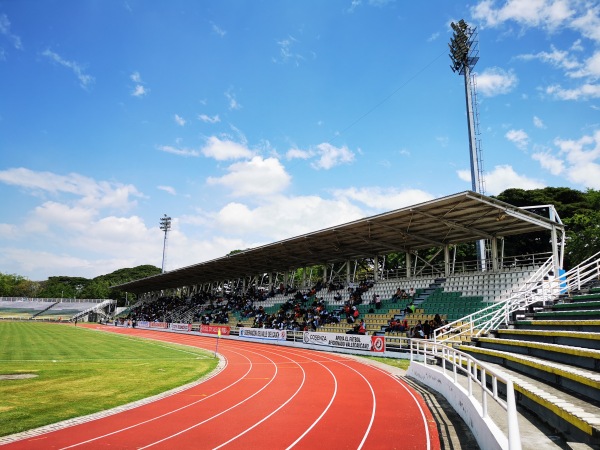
(178, 151)
(583, 92)
(218, 30)
(74, 231)
(139, 91)
(233, 103)
(558, 58)
(538, 123)
(589, 69)
(167, 189)
(85, 80)
(331, 156)
(548, 14)
(326, 155)
(91, 193)
(588, 24)
(257, 176)
(549, 162)
(433, 37)
(503, 177)
(496, 81)
(5, 31)
(577, 160)
(295, 153)
(383, 199)
(519, 138)
(222, 150)
(283, 217)
(179, 120)
(209, 119)
(136, 77)
(287, 51)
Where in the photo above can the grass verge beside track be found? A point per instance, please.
(80, 371)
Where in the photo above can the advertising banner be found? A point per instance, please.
(215, 329)
(353, 341)
(143, 324)
(378, 344)
(159, 324)
(261, 333)
(180, 327)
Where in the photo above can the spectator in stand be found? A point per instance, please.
(377, 301)
(392, 325)
(426, 330)
(362, 329)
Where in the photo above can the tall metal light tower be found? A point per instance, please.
(165, 225)
(464, 53)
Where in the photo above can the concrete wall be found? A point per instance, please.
(485, 431)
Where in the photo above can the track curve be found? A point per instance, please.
(266, 396)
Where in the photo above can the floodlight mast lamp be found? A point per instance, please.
(165, 225)
(464, 54)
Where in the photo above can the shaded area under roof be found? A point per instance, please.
(455, 219)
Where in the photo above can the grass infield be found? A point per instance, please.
(80, 371)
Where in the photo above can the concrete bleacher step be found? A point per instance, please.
(577, 381)
(583, 325)
(578, 420)
(561, 337)
(592, 314)
(581, 357)
(577, 304)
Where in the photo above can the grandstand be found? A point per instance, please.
(479, 305)
(52, 309)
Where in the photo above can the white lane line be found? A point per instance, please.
(167, 413)
(407, 389)
(220, 413)
(274, 411)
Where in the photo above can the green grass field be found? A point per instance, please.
(80, 371)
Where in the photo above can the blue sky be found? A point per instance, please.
(249, 122)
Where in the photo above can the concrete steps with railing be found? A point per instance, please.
(554, 360)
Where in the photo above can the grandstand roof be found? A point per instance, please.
(455, 219)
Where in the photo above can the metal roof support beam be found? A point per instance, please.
(452, 224)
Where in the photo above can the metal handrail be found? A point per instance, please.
(539, 287)
(583, 273)
(477, 372)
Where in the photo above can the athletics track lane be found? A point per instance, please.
(266, 396)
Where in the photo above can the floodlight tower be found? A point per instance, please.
(464, 53)
(165, 225)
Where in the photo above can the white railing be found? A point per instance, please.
(454, 364)
(97, 307)
(585, 272)
(541, 286)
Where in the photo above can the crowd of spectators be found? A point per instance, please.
(303, 311)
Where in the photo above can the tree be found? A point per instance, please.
(583, 236)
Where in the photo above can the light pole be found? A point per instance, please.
(464, 53)
(165, 225)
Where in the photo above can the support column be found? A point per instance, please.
(376, 268)
(347, 272)
(408, 264)
(494, 253)
(446, 260)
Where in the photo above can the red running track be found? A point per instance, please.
(266, 396)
